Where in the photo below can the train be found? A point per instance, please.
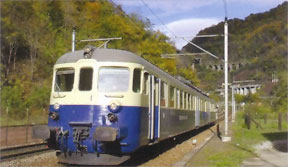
(107, 103)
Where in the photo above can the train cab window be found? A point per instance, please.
(86, 77)
(172, 97)
(64, 80)
(137, 80)
(113, 79)
(145, 83)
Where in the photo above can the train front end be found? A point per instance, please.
(94, 116)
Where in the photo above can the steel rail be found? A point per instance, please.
(13, 152)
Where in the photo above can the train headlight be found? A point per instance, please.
(54, 115)
(56, 106)
(112, 117)
(114, 106)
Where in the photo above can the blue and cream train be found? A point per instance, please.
(106, 103)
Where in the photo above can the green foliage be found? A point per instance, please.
(259, 41)
(281, 102)
(190, 75)
(259, 108)
(239, 98)
(35, 34)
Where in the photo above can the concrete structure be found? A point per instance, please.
(242, 89)
(219, 67)
(245, 89)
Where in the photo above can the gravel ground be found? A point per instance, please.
(176, 154)
(167, 158)
(47, 159)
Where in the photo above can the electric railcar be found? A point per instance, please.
(106, 103)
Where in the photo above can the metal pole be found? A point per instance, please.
(233, 104)
(226, 74)
(27, 116)
(7, 117)
(73, 39)
(226, 79)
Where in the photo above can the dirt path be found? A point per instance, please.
(268, 155)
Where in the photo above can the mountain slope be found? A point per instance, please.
(259, 41)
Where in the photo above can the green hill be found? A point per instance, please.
(259, 41)
(34, 34)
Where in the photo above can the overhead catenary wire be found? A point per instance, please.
(160, 20)
(175, 36)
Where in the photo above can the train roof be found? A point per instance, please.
(115, 55)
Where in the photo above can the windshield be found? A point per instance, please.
(64, 80)
(113, 79)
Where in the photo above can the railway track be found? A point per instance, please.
(19, 151)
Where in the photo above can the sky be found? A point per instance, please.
(185, 18)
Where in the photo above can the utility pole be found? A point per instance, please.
(226, 138)
(233, 104)
(73, 39)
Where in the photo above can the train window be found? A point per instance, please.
(171, 97)
(137, 80)
(180, 99)
(113, 79)
(64, 80)
(86, 77)
(194, 103)
(145, 83)
(184, 100)
(188, 102)
(164, 96)
(202, 106)
(196, 106)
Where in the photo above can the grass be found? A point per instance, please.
(217, 153)
(33, 119)
(229, 157)
(244, 140)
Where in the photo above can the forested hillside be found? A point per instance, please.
(34, 34)
(260, 42)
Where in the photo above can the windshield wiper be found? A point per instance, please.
(58, 87)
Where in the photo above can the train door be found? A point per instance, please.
(154, 108)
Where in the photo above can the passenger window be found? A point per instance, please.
(172, 97)
(184, 100)
(181, 99)
(86, 77)
(164, 95)
(145, 83)
(193, 103)
(137, 81)
(64, 80)
(177, 98)
(188, 105)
